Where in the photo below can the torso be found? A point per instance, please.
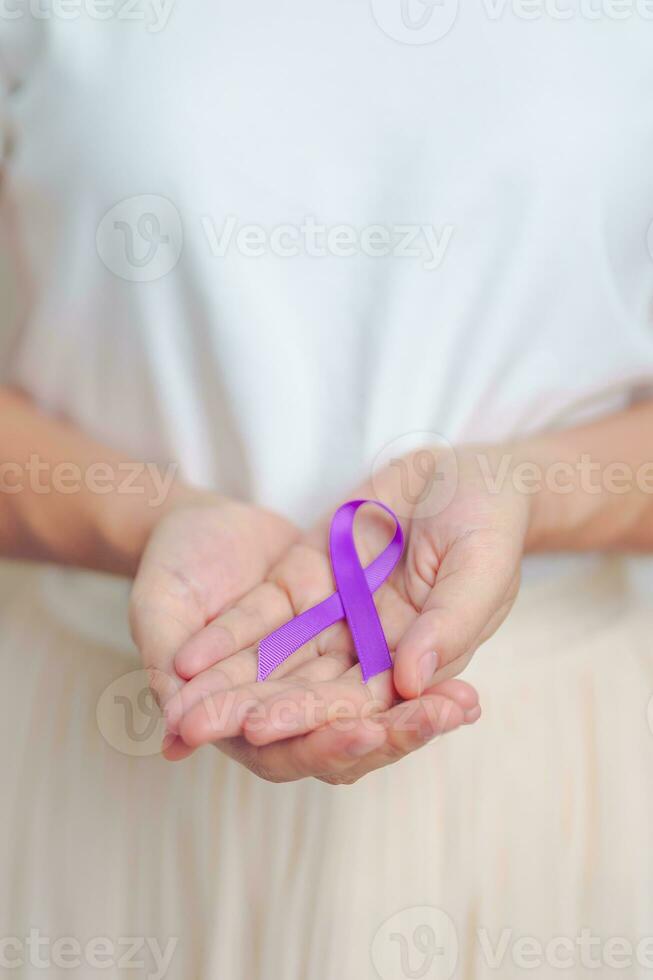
(526, 147)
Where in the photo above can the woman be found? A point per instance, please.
(291, 255)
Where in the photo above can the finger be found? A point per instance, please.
(278, 709)
(342, 754)
(456, 690)
(323, 753)
(159, 627)
(299, 710)
(301, 579)
(174, 749)
(223, 712)
(474, 588)
(238, 627)
(301, 705)
(241, 669)
(305, 703)
(410, 726)
(262, 610)
(296, 758)
(236, 671)
(160, 622)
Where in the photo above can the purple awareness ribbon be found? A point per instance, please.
(352, 601)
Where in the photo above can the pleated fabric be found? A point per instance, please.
(533, 823)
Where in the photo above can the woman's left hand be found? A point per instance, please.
(455, 584)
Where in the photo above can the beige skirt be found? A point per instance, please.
(518, 847)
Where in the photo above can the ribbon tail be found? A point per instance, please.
(283, 642)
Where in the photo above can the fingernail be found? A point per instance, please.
(427, 668)
(168, 739)
(171, 715)
(472, 715)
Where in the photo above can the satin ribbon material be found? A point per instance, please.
(353, 600)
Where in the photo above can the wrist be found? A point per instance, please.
(546, 470)
(67, 499)
(123, 523)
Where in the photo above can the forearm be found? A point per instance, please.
(596, 485)
(67, 499)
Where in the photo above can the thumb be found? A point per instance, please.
(475, 587)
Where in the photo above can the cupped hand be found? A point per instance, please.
(454, 586)
(203, 555)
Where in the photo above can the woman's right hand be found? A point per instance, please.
(206, 553)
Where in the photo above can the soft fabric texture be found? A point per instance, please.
(535, 820)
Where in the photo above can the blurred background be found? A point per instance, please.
(7, 319)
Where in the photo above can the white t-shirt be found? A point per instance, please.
(342, 222)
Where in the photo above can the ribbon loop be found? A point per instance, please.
(353, 600)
